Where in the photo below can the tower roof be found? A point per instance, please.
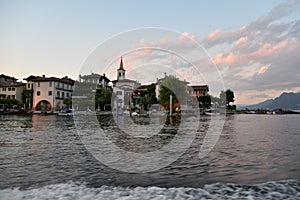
(121, 64)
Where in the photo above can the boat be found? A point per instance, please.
(211, 112)
(65, 112)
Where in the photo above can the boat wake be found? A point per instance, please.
(286, 189)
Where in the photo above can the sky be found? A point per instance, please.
(254, 45)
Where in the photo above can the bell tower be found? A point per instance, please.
(121, 71)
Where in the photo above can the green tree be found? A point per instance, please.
(151, 93)
(9, 102)
(172, 86)
(103, 96)
(227, 97)
(204, 101)
(68, 102)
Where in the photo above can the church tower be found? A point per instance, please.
(121, 71)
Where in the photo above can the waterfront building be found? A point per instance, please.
(28, 92)
(123, 88)
(198, 90)
(49, 92)
(97, 80)
(12, 90)
(7, 79)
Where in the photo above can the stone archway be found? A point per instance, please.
(43, 105)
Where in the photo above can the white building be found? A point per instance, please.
(49, 92)
(123, 88)
(100, 81)
(12, 90)
(7, 79)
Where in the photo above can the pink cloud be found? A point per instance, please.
(241, 42)
(268, 49)
(164, 41)
(228, 59)
(186, 36)
(213, 34)
(236, 58)
(263, 69)
(286, 83)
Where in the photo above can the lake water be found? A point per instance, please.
(256, 156)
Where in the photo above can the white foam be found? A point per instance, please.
(271, 190)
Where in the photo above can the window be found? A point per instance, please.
(13, 89)
(68, 95)
(119, 92)
(58, 94)
(38, 93)
(50, 93)
(63, 86)
(58, 85)
(50, 84)
(3, 89)
(39, 84)
(9, 89)
(8, 96)
(63, 95)
(13, 96)
(28, 85)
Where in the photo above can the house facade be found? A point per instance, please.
(7, 79)
(123, 89)
(12, 90)
(198, 90)
(100, 81)
(49, 92)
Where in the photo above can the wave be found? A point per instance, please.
(285, 189)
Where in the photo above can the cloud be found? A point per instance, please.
(263, 69)
(261, 56)
(187, 36)
(240, 43)
(213, 34)
(248, 52)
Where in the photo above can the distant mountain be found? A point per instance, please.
(286, 101)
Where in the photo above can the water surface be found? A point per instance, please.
(45, 151)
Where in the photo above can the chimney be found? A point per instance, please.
(43, 75)
(104, 74)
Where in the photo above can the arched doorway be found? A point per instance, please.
(43, 105)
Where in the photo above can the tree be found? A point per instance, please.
(151, 93)
(10, 103)
(68, 102)
(204, 101)
(227, 97)
(102, 97)
(172, 86)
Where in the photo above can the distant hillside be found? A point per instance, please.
(287, 101)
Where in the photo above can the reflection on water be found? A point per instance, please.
(40, 150)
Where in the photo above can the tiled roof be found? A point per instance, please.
(46, 79)
(7, 77)
(12, 84)
(91, 76)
